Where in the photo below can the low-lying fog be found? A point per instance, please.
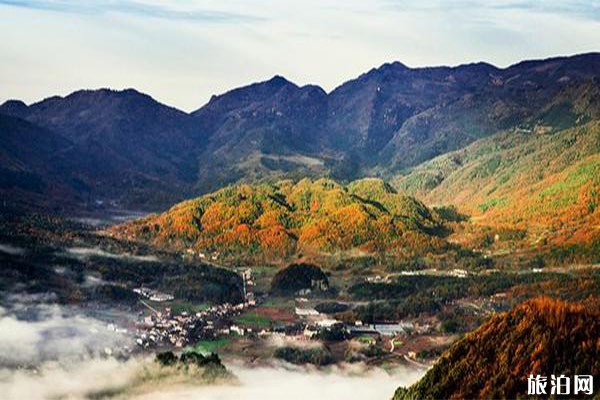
(82, 379)
(86, 252)
(48, 351)
(12, 250)
(34, 334)
(269, 383)
(71, 380)
(110, 217)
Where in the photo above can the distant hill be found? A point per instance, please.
(286, 218)
(28, 166)
(117, 145)
(478, 100)
(544, 182)
(267, 129)
(392, 117)
(541, 336)
(124, 146)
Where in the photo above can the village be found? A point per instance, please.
(161, 328)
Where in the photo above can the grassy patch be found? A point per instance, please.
(486, 168)
(279, 302)
(207, 346)
(366, 339)
(491, 203)
(180, 306)
(566, 191)
(253, 319)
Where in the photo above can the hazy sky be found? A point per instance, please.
(181, 52)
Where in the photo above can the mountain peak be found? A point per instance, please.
(396, 65)
(478, 66)
(279, 80)
(108, 92)
(13, 103)
(258, 91)
(94, 96)
(386, 69)
(102, 99)
(15, 108)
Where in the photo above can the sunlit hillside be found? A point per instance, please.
(540, 336)
(287, 218)
(546, 183)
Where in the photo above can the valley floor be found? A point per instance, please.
(66, 280)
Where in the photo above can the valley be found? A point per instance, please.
(418, 226)
(364, 313)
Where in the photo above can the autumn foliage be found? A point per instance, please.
(547, 185)
(541, 336)
(277, 220)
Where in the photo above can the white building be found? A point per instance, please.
(305, 312)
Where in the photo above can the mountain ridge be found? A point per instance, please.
(592, 54)
(130, 149)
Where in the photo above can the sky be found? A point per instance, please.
(182, 52)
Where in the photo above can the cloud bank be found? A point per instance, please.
(49, 351)
(34, 334)
(267, 383)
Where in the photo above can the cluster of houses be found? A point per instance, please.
(314, 322)
(203, 256)
(400, 328)
(456, 273)
(378, 279)
(163, 328)
(153, 295)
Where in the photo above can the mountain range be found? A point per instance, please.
(125, 148)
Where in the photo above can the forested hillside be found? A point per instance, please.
(546, 183)
(286, 218)
(541, 336)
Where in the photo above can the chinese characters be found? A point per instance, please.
(560, 385)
